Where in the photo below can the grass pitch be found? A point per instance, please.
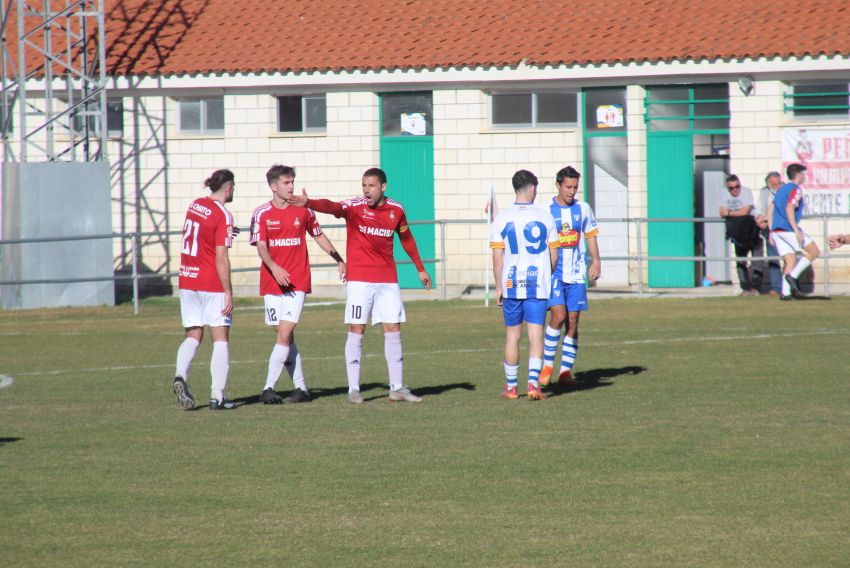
(703, 432)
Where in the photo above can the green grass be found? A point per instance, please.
(706, 432)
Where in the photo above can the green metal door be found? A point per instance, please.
(670, 193)
(407, 156)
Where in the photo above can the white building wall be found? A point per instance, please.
(469, 157)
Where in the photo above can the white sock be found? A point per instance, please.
(353, 352)
(276, 362)
(395, 359)
(510, 375)
(801, 265)
(219, 365)
(786, 287)
(293, 367)
(534, 366)
(185, 354)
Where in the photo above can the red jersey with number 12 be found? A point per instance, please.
(284, 231)
(208, 225)
(369, 243)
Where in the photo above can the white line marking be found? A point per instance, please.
(6, 381)
(494, 349)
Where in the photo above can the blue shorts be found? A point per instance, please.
(573, 296)
(531, 310)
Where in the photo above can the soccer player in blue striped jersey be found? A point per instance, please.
(576, 226)
(524, 243)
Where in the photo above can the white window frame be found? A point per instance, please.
(304, 128)
(95, 131)
(203, 103)
(534, 124)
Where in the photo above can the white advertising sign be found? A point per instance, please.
(826, 155)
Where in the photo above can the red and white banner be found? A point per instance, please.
(826, 155)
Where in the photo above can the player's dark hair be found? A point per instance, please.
(218, 179)
(568, 172)
(732, 177)
(522, 179)
(376, 172)
(771, 175)
(277, 171)
(793, 170)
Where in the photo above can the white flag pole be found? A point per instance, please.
(487, 256)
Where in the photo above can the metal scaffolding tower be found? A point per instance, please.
(53, 66)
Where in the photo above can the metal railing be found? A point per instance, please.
(639, 258)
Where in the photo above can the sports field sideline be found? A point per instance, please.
(710, 431)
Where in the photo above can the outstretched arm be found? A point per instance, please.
(321, 205)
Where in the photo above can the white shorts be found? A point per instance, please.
(203, 308)
(381, 300)
(284, 307)
(786, 241)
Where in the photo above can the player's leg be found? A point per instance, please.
(280, 351)
(786, 247)
(552, 332)
(287, 310)
(220, 360)
(810, 253)
(388, 310)
(296, 373)
(576, 295)
(191, 313)
(534, 314)
(512, 313)
(360, 297)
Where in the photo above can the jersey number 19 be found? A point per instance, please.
(534, 233)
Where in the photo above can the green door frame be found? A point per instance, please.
(409, 164)
(665, 196)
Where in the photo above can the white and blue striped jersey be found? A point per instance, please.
(526, 233)
(574, 223)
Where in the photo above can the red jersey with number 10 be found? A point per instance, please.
(369, 243)
(208, 225)
(284, 231)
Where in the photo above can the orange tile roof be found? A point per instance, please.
(168, 37)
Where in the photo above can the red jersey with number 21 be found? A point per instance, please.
(208, 225)
(369, 231)
(284, 231)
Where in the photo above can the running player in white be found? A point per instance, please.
(371, 222)
(524, 243)
(787, 235)
(279, 232)
(576, 226)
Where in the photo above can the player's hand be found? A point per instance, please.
(228, 304)
(425, 278)
(298, 200)
(281, 276)
(835, 241)
(799, 234)
(595, 270)
(499, 297)
(341, 267)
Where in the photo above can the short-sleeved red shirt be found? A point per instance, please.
(208, 225)
(284, 231)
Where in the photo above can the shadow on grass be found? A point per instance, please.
(316, 393)
(4, 441)
(594, 379)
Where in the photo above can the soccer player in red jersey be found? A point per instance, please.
(206, 297)
(372, 288)
(279, 232)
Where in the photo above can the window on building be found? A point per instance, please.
(821, 100)
(114, 121)
(297, 113)
(534, 110)
(201, 116)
